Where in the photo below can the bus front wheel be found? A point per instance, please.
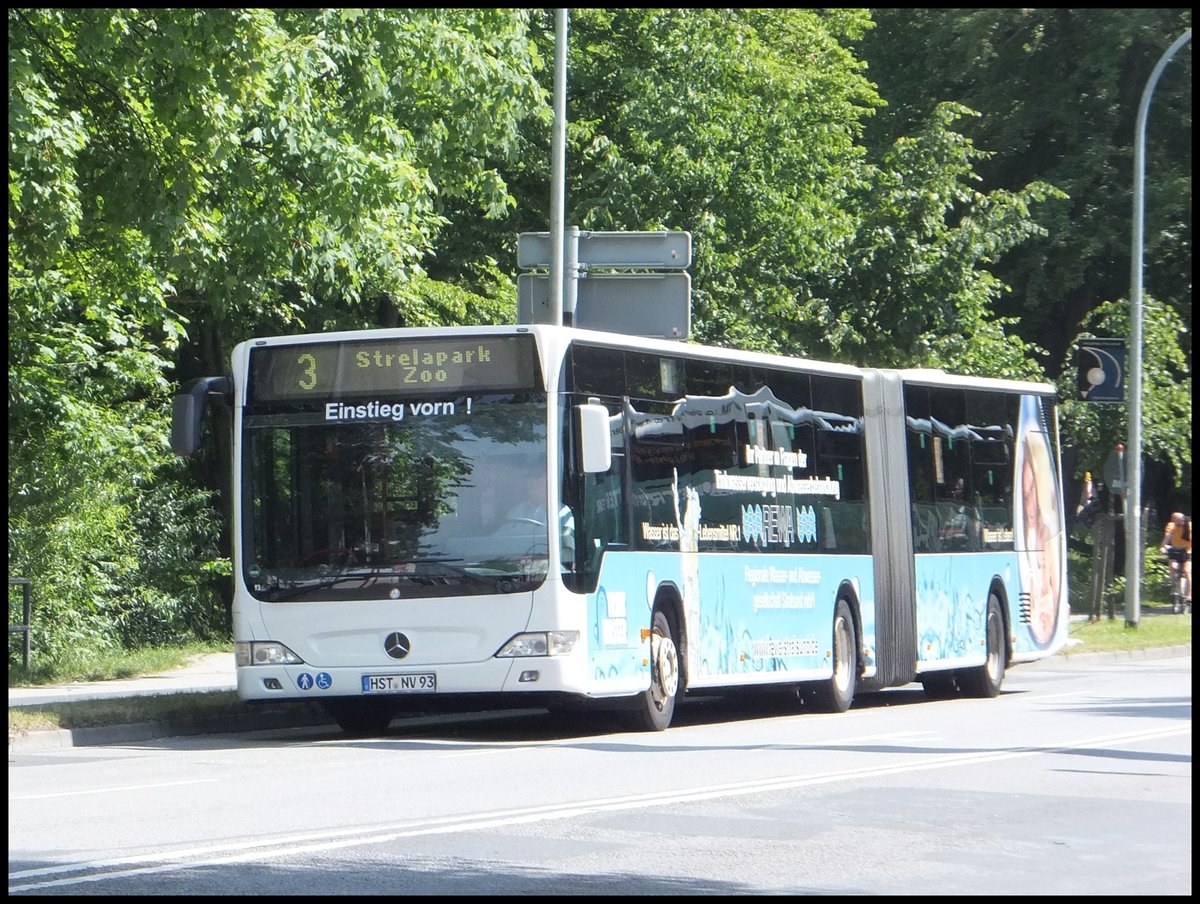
(359, 718)
(837, 693)
(656, 706)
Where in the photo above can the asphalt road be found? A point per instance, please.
(1075, 781)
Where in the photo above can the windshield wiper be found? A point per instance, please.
(393, 571)
(299, 589)
(498, 582)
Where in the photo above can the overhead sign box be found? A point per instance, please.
(650, 304)
(622, 250)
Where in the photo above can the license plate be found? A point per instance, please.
(412, 683)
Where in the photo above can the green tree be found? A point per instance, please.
(179, 179)
(917, 288)
(737, 125)
(745, 128)
(1058, 92)
(88, 329)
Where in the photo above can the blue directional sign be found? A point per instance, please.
(1101, 376)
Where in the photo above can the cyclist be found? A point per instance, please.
(1177, 547)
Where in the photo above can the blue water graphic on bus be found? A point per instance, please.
(951, 602)
(744, 615)
(762, 614)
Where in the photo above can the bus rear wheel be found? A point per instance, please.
(940, 685)
(985, 680)
(837, 693)
(656, 706)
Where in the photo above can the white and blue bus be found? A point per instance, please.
(718, 519)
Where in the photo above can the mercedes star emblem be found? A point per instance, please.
(396, 645)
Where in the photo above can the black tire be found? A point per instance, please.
(359, 718)
(656, 706)
(939, 685)
(985, 680)
(837, 693)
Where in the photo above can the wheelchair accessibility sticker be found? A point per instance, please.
(305, 681)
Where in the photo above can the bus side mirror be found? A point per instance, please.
(595, 443)
(188, 409)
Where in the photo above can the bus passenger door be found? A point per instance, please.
(597, 496)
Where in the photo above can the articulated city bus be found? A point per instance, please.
(548, 516)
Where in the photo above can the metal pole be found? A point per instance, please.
(571, 270)
(1133, 461)
(558, 166)
(26, 613)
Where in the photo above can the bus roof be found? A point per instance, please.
(564, 334)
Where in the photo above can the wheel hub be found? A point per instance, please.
(666, 668)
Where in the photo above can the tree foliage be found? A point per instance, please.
(178, 179)
(1058, 92)
(744, 127)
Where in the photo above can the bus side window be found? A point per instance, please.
(994, 416)
(658, 456)
(919, 432)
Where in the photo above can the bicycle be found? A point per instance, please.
(1180, 589)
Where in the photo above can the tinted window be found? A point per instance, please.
(598, 371)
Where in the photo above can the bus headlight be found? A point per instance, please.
(539, 643)
(266, 652)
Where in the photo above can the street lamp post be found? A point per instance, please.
(1133, 461)
(558, 167)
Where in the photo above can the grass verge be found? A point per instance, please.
(112, 664)
(1157, 627)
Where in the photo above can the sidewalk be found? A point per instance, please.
(214, 672)
(205, 674)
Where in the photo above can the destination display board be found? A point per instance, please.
(408, 366)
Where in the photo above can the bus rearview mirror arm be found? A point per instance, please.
(187, 411)
(595, 443)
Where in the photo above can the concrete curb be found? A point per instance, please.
(1119, 655)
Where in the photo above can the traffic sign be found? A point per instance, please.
(1101, 375)
(642, 304)
(624, 250)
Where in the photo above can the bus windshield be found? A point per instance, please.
(447, 501)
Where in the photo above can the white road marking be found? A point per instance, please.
(319, 842)
(198, 781)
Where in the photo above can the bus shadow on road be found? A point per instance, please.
(534, 726)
